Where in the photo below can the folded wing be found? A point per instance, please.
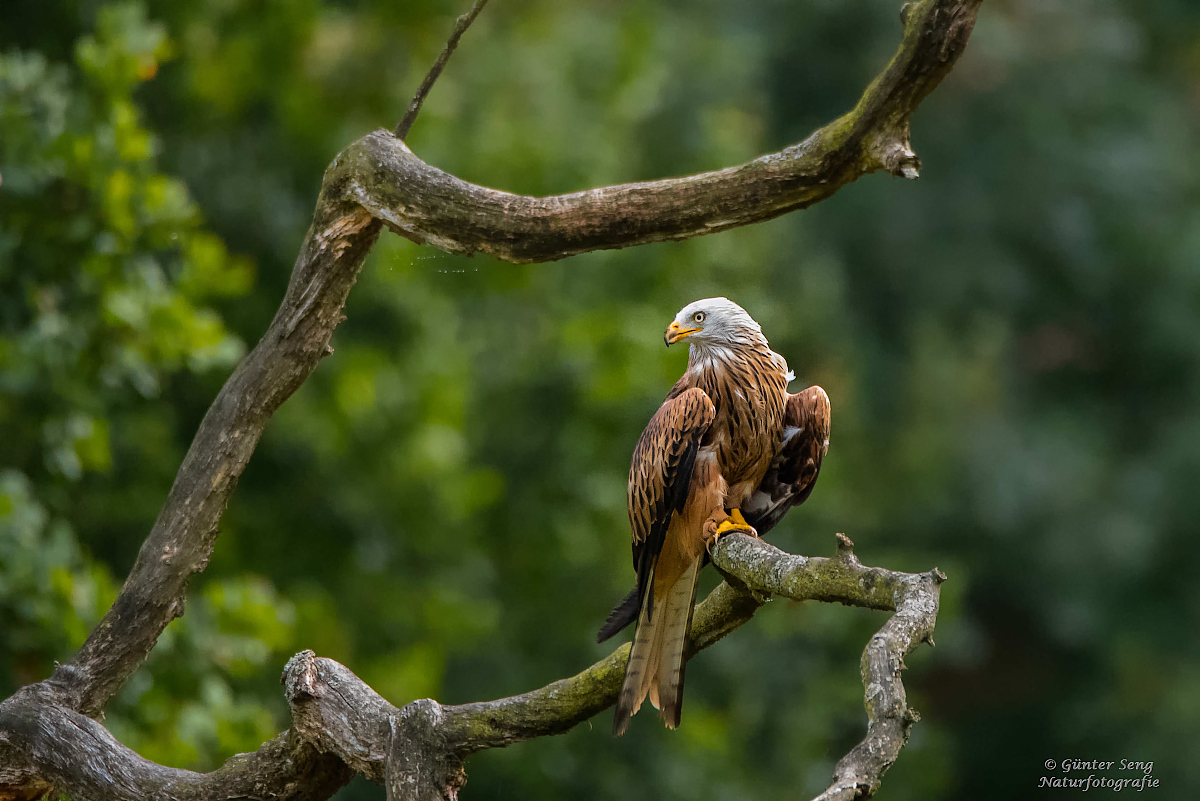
(660, 476)
(667, 563)
(794, 470)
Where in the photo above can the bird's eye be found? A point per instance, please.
(698, 317)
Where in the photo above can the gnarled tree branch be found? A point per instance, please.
(46, 747)
(427, 205)
(418, 750)
(48, 735)
(341, 726)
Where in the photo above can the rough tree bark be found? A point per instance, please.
(50, 737)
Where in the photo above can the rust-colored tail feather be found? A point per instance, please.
(656, 660)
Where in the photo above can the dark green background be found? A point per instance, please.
(1011, 345)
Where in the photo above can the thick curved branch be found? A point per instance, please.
(44, 746)
(562, 705)
(430, 206)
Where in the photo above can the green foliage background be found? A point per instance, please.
(1011, 344)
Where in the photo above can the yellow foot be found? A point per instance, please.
(734, 523)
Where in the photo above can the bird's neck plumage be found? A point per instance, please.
(751, 350)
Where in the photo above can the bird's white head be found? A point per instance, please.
(714, 322)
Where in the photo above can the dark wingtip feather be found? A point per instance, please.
(625, 613)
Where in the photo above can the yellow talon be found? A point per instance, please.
(735, 522)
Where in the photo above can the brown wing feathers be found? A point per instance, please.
(661, 473)
(794, 470)
(660, 480)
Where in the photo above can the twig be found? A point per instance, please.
(414, 107)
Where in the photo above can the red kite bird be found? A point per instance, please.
(729, 450)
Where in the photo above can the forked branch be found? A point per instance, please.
(341, 726)
(418, 750)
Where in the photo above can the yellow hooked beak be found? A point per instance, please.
(675, 333)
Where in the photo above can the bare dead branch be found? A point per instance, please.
(429, 206)
(843, 579)
(45, 747)
(414, 106)
(418, 750)
(341, 726)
